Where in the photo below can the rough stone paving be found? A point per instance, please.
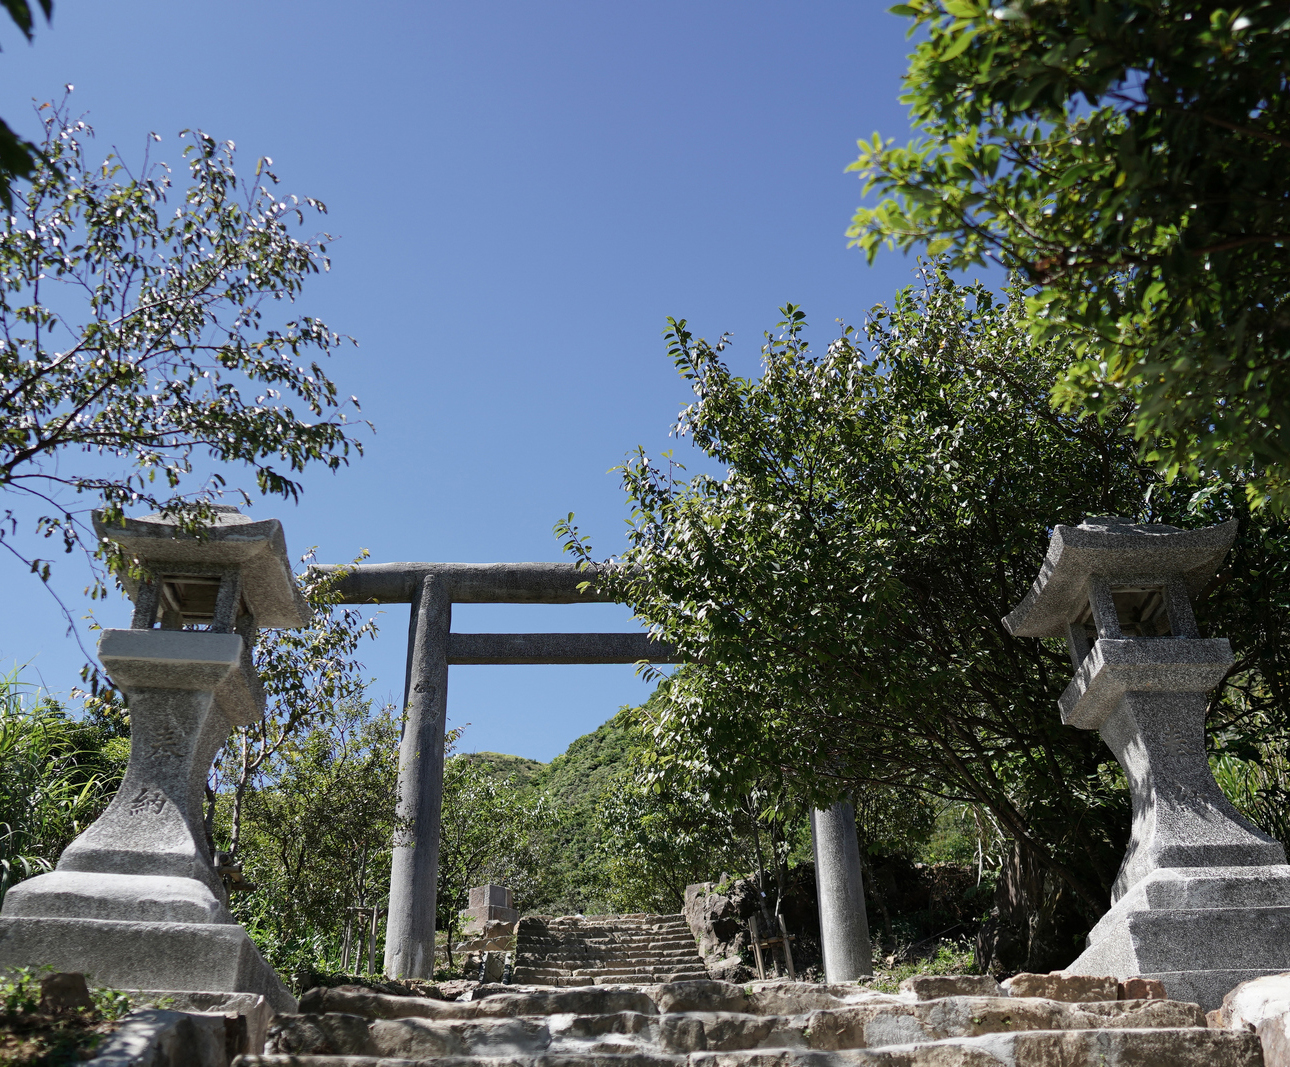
(574, 950)
(766, 1024)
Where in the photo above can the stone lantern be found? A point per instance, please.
(136, 901)
(1202, 899)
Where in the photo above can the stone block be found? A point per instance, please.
(485, 896)
(934, 986)
(319, 1035)
(701, 996)
(584, 1000)
(355, 1000)
(251, 1008)
(155, 1037)
(122, 897)
(1056, 985)
(476, 920)
(133, 955)
(1197, 953)
(64, 991)
(1114, 667)
(1142, 989)
(894, 1022)
(1078, 1048)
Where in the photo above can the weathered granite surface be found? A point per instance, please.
(844, 926)
(135, 900)
(1202, 899)
(1261, 1005)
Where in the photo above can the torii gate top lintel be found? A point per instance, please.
(469, 583)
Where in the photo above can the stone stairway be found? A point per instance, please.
(715, 1024)
(574, 950)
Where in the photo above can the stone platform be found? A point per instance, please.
(1199, 930)
(185, 956)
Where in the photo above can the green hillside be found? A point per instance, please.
(502, 766)
(576, 783)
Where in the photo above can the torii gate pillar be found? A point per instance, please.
(414, 869)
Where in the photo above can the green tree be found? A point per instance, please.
(491, 831)
(57, 775)
(575, 784)
(1128, 157)
(310, 677)
(18, 156)
(655, 842)
(138, 326)
(617, 842)
(315, 835)
(839, 590)
(303, 799)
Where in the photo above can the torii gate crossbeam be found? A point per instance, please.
(432, 589)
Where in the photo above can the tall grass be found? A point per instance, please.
(54, 780)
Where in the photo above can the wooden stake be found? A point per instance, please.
(756, 946)
(371, 943)
(788, 952)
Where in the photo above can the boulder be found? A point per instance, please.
(731, 969)
(719, 921)
(1261, 1005)
(64, 991)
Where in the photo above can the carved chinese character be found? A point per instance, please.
(148, 801)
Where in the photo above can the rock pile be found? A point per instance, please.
(636, 949)
(771, 1024)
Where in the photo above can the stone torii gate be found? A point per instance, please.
(432, 589)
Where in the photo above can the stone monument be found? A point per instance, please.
(488, 904)
(1202, 900)
(136, 901)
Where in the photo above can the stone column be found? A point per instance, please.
(409, 933)
(153, 825)
(1181, 819)
(844, 927)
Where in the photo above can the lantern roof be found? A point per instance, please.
(259, 549)
(1123, 551)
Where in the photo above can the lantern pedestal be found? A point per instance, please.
(135, 901)
(1200, 930)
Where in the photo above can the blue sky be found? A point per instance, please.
(521, 193)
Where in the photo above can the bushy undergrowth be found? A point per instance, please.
(33, 1037)
(945, 957)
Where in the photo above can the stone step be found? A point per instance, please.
(565, 926)
(611, 951)
(702, 1023)
(619, 962)
(1193, 1047)
(606, 951)
(517, 1023)
(1036, 1048)
(581, 1059)
(643, 948)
